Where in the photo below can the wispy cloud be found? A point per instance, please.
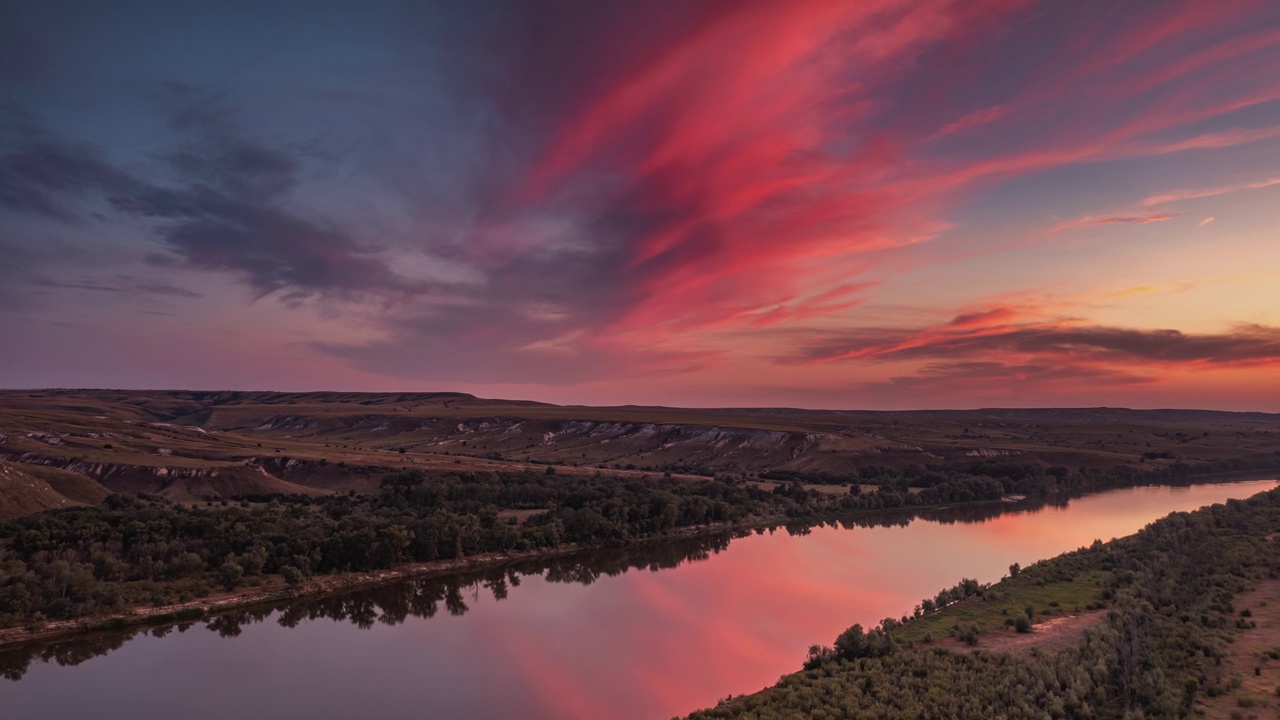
(226, 211)
(1089, 221)
(1057, 342)
(120, 284)
(1198, 193)
(41, 174)
(972, 120)
(1134, 292)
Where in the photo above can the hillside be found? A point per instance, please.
(199, 445)
(25, 489)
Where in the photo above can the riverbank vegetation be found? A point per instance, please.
(140, 550)
(384, 604)
(1156, 652)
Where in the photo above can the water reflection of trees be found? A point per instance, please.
(455, 594)
(389, 604)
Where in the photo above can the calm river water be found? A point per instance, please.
(646, 633)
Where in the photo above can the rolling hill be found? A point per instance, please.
(189, 445)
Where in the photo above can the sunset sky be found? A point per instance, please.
(874, 204)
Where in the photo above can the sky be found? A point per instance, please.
(882, 204)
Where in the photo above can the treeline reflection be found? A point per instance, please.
(455, 594)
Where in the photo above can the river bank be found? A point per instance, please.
(1167, 622)
(700, 618)
(274, 590)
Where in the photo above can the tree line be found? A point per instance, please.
(140, 550)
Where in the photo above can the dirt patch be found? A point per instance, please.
(518, 517)
(1248, 661)
(768, 486)
(1048, 636)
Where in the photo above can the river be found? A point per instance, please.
(643, 633)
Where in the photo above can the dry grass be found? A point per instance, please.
(1049, 636)
(519, 516)
(1053, 604)
(1249, 660)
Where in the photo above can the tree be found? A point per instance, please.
(185, 565)
(291, 575)
(854, 643)
(230, 573)
(818, 656)
(851, 643)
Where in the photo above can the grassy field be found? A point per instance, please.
(996, 610)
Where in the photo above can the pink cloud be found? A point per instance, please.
(972, 120)
(1089, 221)
(1058, 343)
(762, 217)
(1198, 193)
(766, 168)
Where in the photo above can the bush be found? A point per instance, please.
(291, 575)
